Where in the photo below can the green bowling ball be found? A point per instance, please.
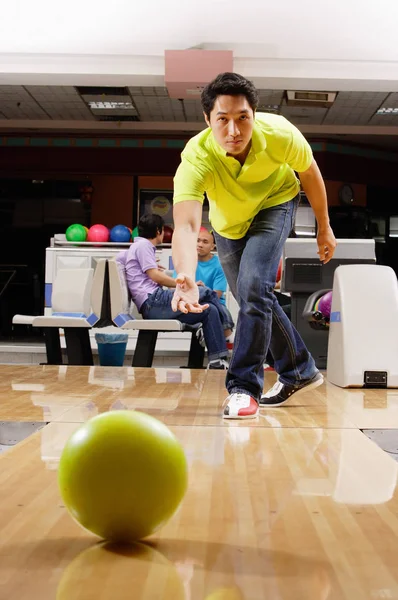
(76, 233)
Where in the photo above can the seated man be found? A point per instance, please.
(209, 273)
(145, 282)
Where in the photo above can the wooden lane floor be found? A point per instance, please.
(176, 396)
(41, 393)
(270, 513)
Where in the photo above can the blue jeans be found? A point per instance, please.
(250, 265)
(158, 306)
(226, 317)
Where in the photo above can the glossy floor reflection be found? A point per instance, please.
(296, 505)
(270, 513)
(176, 396)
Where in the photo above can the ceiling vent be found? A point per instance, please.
(305, 98)
(109, 102)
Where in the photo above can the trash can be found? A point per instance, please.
(111, 348)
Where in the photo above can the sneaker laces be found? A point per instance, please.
(274, 391)
(240, 399)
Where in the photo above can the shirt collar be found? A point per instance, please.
(141, 239)
(259, 143)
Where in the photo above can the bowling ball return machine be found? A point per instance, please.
(363, 335)
(305, 278)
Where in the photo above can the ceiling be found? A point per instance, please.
(154, 104)
(52, 105)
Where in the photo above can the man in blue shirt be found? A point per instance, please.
(209, 273)
(146, 283)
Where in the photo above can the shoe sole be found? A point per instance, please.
(240, 417)
(307, 388)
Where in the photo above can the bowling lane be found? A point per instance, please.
(43, 393)
(184, 397)
(175, 396)
(270, 513)
(367, 408)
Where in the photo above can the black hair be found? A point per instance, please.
(149, 226)
(228, 84)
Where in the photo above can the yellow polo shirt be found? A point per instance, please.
(237, 193)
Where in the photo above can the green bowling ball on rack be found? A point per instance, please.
(76, 233)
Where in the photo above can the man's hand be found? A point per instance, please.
(200, 283)
(160, 267)
(326, 244)
(186, 296)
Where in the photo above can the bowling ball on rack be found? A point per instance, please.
(120, 234)
(76, 233)
(98, 233)
(324, 304)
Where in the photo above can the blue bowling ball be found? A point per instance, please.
(120, 234)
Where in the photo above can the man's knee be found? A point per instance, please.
(211, 313)
(206, 294)
(250, 285)
(253, 289)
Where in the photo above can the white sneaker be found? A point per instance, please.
(240, 406)
(219, 364)
(280, 393)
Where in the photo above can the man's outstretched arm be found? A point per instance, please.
(187, 220)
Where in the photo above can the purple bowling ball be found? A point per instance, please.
(325, 304)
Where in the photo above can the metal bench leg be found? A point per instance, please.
(53, 345)
(196, 353)
(145, 348)
(78, 346)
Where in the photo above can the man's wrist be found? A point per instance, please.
(323, 224)
(185, 274)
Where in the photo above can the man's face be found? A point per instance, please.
(205, 244)
(231, 121)
(160, 237)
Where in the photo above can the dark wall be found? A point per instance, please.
(164, 161)
(359, 169)
(121, 161)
